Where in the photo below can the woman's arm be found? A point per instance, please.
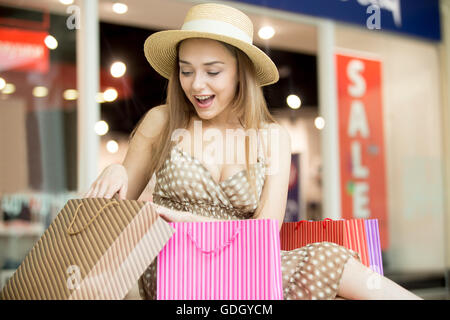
(274, 194)
(138, 156)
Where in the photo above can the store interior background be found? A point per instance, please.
(38, 134)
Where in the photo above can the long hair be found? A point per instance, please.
(249, 105)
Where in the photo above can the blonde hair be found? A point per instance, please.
(249, 105)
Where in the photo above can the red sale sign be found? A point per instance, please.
(361, 141)
(23, 50)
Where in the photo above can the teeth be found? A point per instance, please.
(203, 97)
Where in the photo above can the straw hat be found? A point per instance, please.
(211, 21)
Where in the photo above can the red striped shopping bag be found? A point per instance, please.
(359, 235)
(221, 260)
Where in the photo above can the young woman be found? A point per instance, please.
(215, 77)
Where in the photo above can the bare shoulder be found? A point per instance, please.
(154, 121)
(160, 113)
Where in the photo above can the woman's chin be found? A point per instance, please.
(208, 113)
(205, 114)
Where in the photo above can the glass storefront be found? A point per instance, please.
(38, 169)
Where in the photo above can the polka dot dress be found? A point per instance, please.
(184, 184)
(314, 272)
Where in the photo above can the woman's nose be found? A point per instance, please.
(199, 82)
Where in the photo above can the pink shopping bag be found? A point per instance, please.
(223, 260)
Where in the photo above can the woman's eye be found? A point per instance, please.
(186, 73)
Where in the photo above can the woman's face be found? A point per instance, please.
(208, 76)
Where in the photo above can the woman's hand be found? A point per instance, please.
(171, 215)
(114, 178)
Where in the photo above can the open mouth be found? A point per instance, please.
(204, 101)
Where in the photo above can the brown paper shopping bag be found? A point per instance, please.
(95, 248)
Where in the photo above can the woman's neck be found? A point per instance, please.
(219, 122)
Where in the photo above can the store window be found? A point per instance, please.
(38, 124)
(409, 199)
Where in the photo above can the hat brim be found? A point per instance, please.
(160, 51)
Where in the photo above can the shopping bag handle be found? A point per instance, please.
(325, 220)
(219, 248)
(299, 223)
(72, 232)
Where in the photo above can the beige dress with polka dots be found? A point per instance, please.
(184, 184)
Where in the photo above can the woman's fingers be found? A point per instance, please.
(102, 191)
(109, 192)
(113, 179)
(123, 192)
(90, 192)
(167, 218)
(95, 191)
(112, 190)
(160, 211)
(106, 191)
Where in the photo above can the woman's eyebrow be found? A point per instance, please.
(206, 64)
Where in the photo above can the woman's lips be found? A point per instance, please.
(205, 103)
